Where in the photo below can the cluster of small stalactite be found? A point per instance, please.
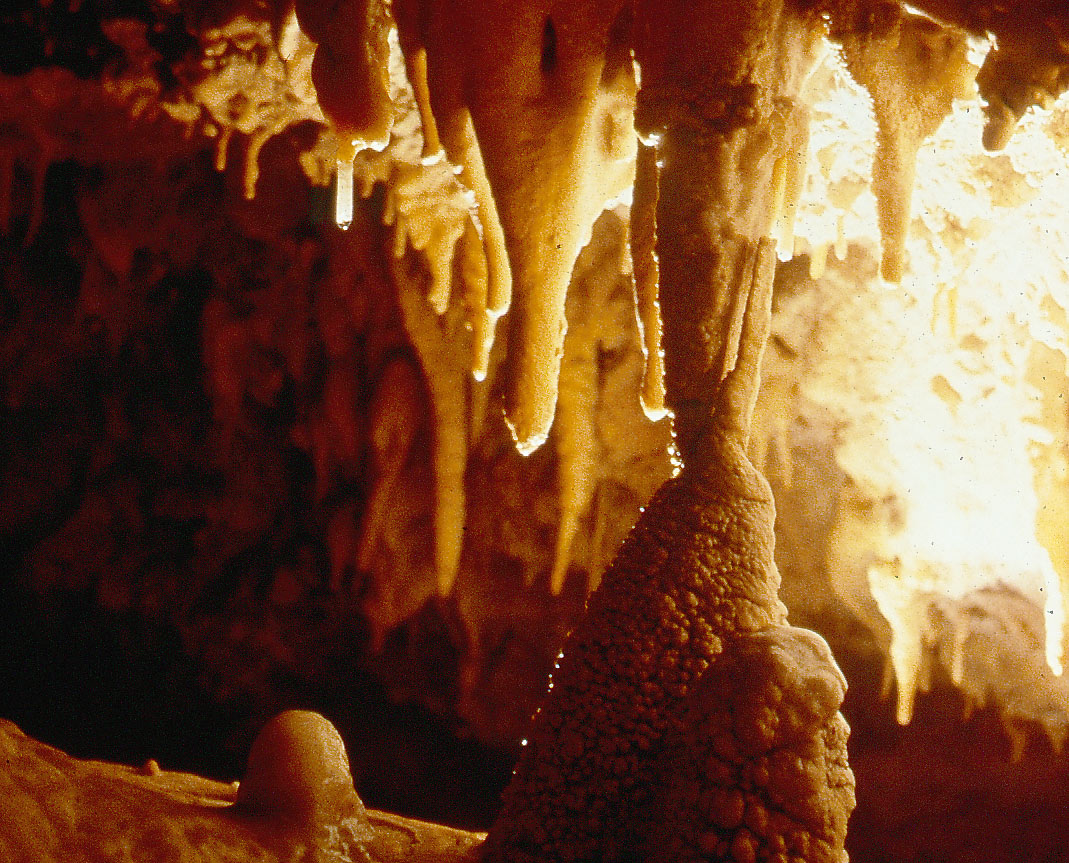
(438, 93)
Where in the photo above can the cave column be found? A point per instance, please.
(717, 100)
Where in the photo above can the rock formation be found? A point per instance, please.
(275, 448)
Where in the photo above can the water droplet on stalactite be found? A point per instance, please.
(528, 445)
(343, 186)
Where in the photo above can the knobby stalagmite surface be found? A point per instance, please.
(761, 771)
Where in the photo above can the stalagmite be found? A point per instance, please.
(684, 651)
(913, 68)
(598, 776)
(296, 802)
(697, 568)
(298, 770)
(764, 726)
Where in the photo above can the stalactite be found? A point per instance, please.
(574, 429)
(789, 177)
(818, 261)
(416, 69)
(343, 185)
(1049, 375)
(906, 610)
(770, 443)
(475, 277)
(1028, 66)
(335, 432)
(913, 68)
(342, 540)
(351, 72)
(548, 183)
(447, 126)
(430, 218)
(715, 123)
(223, 340)
(599, 311)
(394, 421)
(980, 635)
(458, 138)
(434, 339)
(252, 160)
(222, 145)
(646, 276)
